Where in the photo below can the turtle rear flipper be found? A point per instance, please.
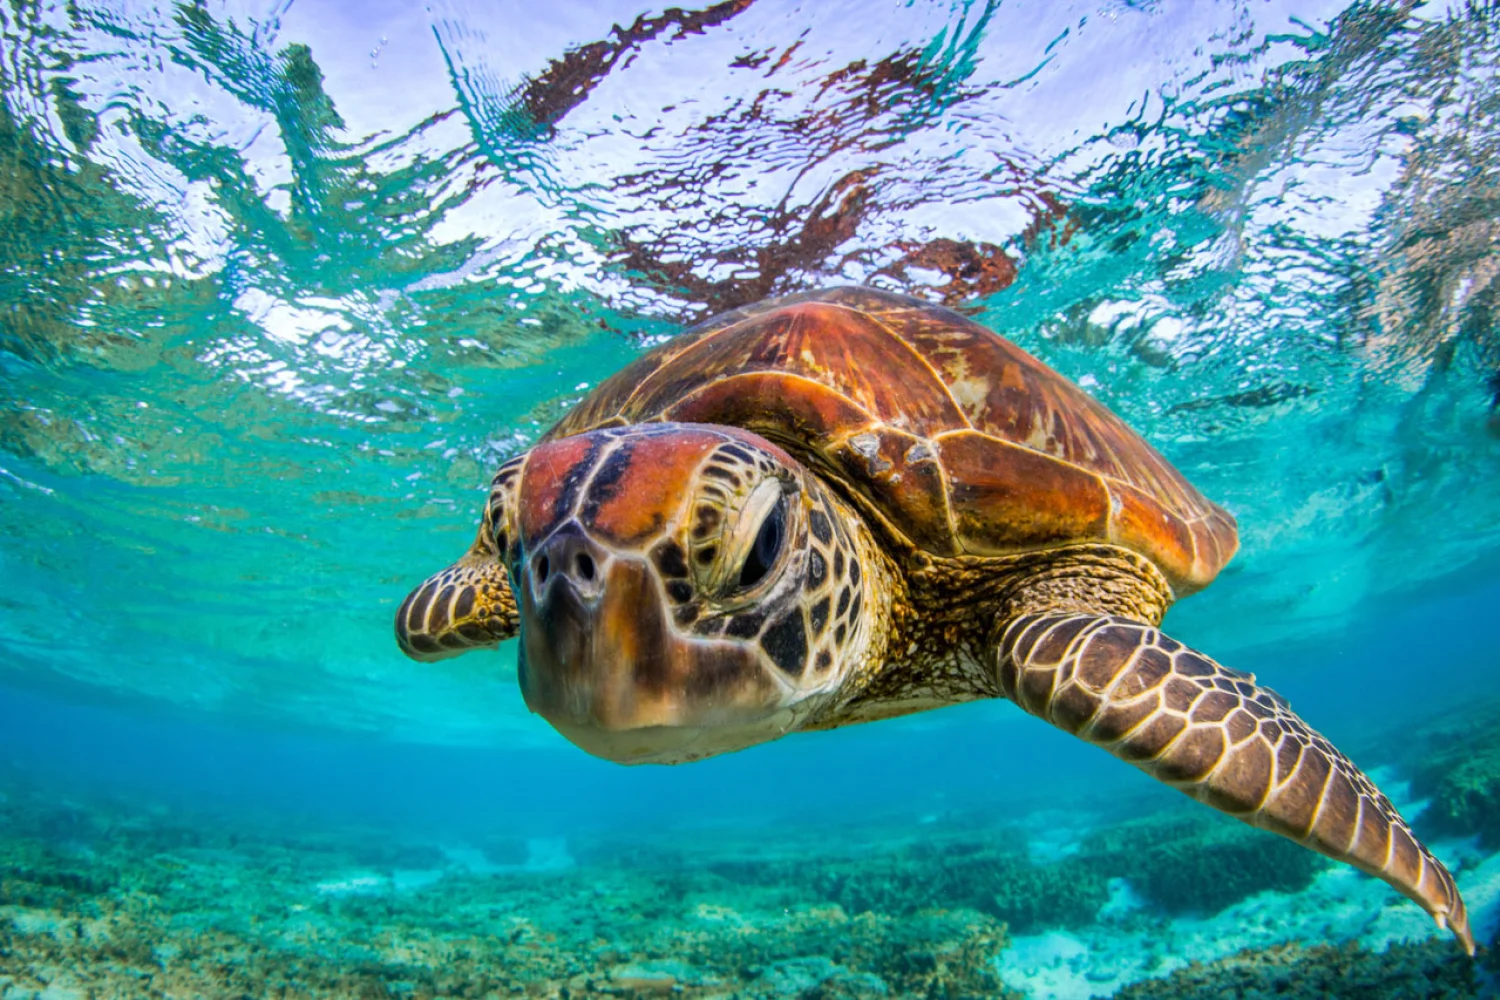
(1213, 733)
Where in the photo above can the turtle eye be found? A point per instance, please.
(768, 542)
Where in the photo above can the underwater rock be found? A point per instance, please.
(1430, 969)
(801, 977)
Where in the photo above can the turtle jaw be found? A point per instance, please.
(601, 662)
(671, 744)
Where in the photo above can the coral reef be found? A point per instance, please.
(104, 899)
(994, 878)
(1181, 862)
(1455, 763)
(99, 902)
(1199, 863)
(1430, 970)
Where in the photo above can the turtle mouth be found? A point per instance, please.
(601, 661)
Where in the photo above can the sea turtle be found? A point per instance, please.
(847, 505)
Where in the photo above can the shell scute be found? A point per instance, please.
(1008, 498)
(1143, 524)
(960, 439)
(778, 405)
(844, 350)
(899, 473)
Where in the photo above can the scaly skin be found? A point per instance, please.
(1216, 735)
(467, 606)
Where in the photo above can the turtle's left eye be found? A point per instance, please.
(768, 542)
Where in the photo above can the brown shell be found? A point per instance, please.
(962, 441)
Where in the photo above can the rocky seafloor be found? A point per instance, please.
(101, 897)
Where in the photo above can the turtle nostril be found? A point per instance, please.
(543, 567)
(585, 565)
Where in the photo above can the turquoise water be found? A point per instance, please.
(281, 284)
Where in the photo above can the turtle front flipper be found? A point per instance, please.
(464, 607)
(1213, 733)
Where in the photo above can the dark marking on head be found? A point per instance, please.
(838, 634)
(707, 553)
(723, 475)
(574, 480)
(817, 570)
(1239, 726)
(786, 643)
(706, 520)
(825, 659)
(507, 474)
(679, 591)
(818, 521)
(670, 560)
(820, 616)
(685, 615)
(735, 451)
(844, 596)
(838, 564)
(715, 669)
(607, 482)
(746, 625)
(1260, 711)
(854, 611)
(854, 572)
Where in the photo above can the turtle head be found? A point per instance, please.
(675, 586)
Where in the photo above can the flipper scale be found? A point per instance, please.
(1212, 733)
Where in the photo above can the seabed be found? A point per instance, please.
(101, 897)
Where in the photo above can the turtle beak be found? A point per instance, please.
(600, 661)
